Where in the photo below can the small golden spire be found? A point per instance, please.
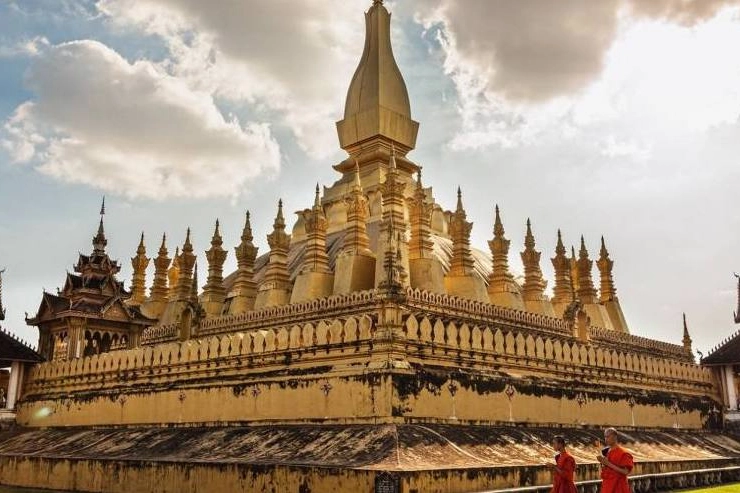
(99, 241)
(459, 207)
(277, 276)
(141, 248)
(686, 337)
(500, 280)
(574, 271)
(194, 285)
(534, 283)
(358, 183)
(279, 219)
(244, 285)
(247, 231)
(586, 290)
(356, 239)
(563, 290)
(138, 280)
(498, 226)
(315, 258)
(607, 290)
(187, 246)
(420, 215)
(158, 291)
(185, 267)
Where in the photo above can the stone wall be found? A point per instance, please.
(417, 357)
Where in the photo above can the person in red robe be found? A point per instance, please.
(564, 469)
(616, 464)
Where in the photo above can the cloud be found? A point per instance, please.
(528, 50)
(290, 58)
(131, 128)
(26, 47)
(684, 12)
(561, 70)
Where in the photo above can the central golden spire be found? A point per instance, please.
(377, 104)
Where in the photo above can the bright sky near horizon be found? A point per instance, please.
(618, 118)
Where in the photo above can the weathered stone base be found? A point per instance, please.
(316, 459)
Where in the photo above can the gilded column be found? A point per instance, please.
(275, 287)
(608, 292)
(185, 264)
(355, 264)
(461, 279)
(138, 280)
(563, 291)
(173, 274)
(425, 270)
(214, 293)
(393, 225)
(587, 292)
(244, 290)
(533, 291)
(315, 279)
(158, 293)
(502, 289)
(574, 271)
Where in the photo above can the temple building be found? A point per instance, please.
(371, 348)
(724, 361)
(91, 313)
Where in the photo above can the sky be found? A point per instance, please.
(618, 118)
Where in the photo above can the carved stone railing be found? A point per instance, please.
(317, 309)
(160, 334)
(641, 343)
(530, 348)
(89, 372)
(472, 310)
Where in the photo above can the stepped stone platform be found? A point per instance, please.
(321, 458)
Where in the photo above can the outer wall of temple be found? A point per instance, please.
(383, 366)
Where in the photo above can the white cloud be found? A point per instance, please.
(278, 56)
(26, 47)
(131, 128)
(632, 70)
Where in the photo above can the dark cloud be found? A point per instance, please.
(534, 50)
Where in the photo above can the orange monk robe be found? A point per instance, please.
(563, 476)
(612, 481)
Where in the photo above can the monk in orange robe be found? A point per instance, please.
(563, 471)
(616, 464)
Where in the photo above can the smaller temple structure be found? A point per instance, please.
(724, 361)
(91, 313)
